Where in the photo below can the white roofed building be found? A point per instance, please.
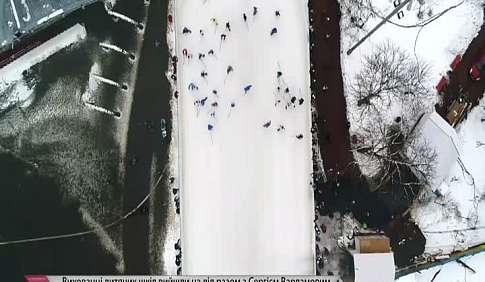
(373, 259)
(436, 133)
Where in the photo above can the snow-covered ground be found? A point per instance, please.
(435, 44)
(451, 271)
(459, 203)
(13, 90)
(247, 200)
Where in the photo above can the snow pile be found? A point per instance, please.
(245, 142)
(11, 90)
(433, 33)
(459, 203)
(451, 271)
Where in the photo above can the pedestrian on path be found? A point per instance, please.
(228, 27)
(223, 38)
(202, 102)
(193, 86)
(228, 71)
(186, 31)
(274, 31)
(255, 10)
(233, 105)
(267, 124)
(247, 88)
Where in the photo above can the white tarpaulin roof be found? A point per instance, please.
(436, 133)
(374, 267)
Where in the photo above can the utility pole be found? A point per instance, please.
(386, 19)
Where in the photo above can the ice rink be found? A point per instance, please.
(245, 141)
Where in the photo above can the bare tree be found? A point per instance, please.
(389, 75)
(394, 153)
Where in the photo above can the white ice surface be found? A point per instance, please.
(247, 202)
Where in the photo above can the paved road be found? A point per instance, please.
(19, 17)
(460, 76)
(145, 143)
(334, 137)
(345, 189)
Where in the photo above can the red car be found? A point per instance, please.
(478, 69)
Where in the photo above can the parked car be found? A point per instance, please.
(478, 69)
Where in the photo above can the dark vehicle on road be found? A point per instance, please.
(478, 69)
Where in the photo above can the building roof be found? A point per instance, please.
(372, 244)
(374, 267)
(436, 133)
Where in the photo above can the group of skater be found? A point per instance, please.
(209, 97)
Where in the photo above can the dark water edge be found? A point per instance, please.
(34, 203)
(31, 206)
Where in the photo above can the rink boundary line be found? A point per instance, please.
(179, 133)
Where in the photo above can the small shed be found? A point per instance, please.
(372, 244)
(373, 259)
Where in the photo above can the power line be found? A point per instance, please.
(419, 24)
(454, 230)
(87, 232)
(385, 20)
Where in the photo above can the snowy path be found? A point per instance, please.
(247, 202)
